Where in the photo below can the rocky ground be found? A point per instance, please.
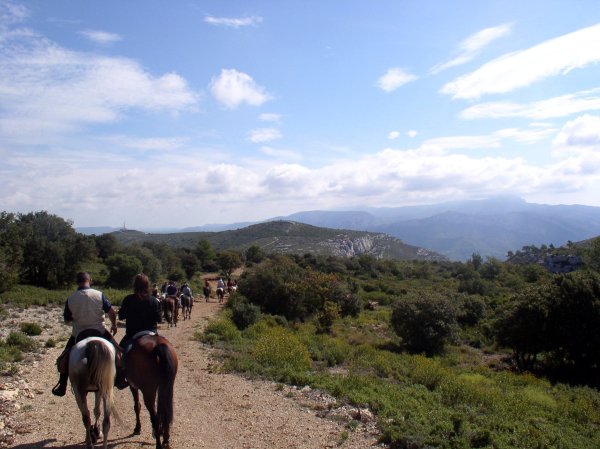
(212, 410)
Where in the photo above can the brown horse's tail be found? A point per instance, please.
(168, 369)
(101, 366)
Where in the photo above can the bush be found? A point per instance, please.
(221, 329)
(21, 341)
(278, 349)
(31, 328)
(425, 323)
(122, 269)
(327, 316)
(243, 314)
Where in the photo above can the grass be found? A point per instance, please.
(11, 350)
(451, 401)
(28, 295)
(31, 328)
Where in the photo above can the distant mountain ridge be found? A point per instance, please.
(490, 227)
(289, 237)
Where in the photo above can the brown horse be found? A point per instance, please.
(172, 312)
(187, 302)
(151, 366)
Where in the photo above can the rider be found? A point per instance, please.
(84, 309)
(186, 291)
(220, 284)
(206, 289)
(141, 312)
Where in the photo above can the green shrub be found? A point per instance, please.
(425, 323)
(9, 354)
(221, 329)
(122, 268)
(279, 349)
(21, 341)
(31, 328)
(243, 314)
(50, 343)
(327, 316)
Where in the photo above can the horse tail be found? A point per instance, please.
(168, 369)
(101, 366)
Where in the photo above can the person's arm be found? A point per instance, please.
(157, 312)
(112, 316)
(67, 314)
(123, 310)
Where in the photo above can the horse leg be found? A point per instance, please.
(81, 398)
(105, 422)
(150, 402)
(136, 408)
(95, 430)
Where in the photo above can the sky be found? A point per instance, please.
(175, 114)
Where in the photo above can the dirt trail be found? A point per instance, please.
(212, 410)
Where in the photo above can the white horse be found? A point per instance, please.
(92, 368)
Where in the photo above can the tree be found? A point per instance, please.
(122, 268)
(52, 251)
(167, 256)
(592, 255)
(476, 261)
(106, 245)
(189, 263)
(151, 265)
(229, 261)
(254, 254)
(205, 254)
(11, 251)
(523, 326)
(425, 323)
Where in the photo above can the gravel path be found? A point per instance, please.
(212, 410)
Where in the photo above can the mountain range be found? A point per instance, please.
(490, 227)
(289, 237)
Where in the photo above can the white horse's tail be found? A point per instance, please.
(101, 366)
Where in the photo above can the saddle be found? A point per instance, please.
(137, 336)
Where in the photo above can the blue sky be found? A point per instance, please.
(184, 113)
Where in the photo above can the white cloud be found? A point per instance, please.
(232, 88)
(74, 183)
(522, 68)
(394, 78)
(101, 37)
(147, 143)
(269, 117)
(562, 106)
(233, 22)
(472, 46)
(492, 140)
(412, 133)
(393, 135)
(45, 88)
(281, 154)
(261, 135)
(11, 12)
(583, 133)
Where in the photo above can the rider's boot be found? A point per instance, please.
(120, 379)
(60, 389)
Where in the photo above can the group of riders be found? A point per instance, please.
(142, 311)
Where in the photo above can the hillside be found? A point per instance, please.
(288, 237)
(489, 227)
